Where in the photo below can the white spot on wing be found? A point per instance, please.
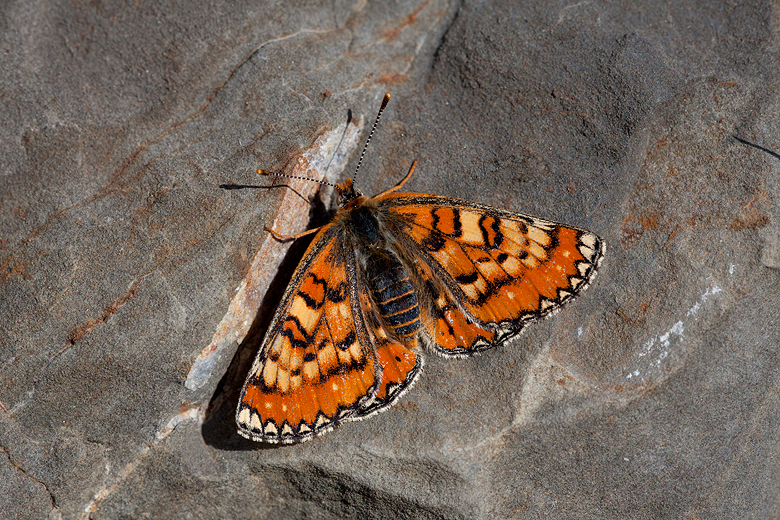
(255, 422)
(321, 421)
(589, 240)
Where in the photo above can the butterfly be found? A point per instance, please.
(389, 274)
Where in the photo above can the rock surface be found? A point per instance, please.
(654, 395)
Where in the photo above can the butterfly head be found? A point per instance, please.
(347, 192)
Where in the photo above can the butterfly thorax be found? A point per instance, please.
(386, 276)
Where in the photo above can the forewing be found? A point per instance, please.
(316, 366)
(497, 269)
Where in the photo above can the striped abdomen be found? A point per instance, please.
(393, 293)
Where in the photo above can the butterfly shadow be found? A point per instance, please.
(219, 425)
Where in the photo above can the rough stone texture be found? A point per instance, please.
(654, 395)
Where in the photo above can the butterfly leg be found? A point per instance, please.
(403, 181)
(284, 238)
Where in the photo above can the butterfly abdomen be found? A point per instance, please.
(386, 277)
(393, 293)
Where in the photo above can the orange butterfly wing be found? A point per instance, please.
(487, 270)
(321, 362)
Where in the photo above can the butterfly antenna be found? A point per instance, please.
(276, 174)
(385, 100)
